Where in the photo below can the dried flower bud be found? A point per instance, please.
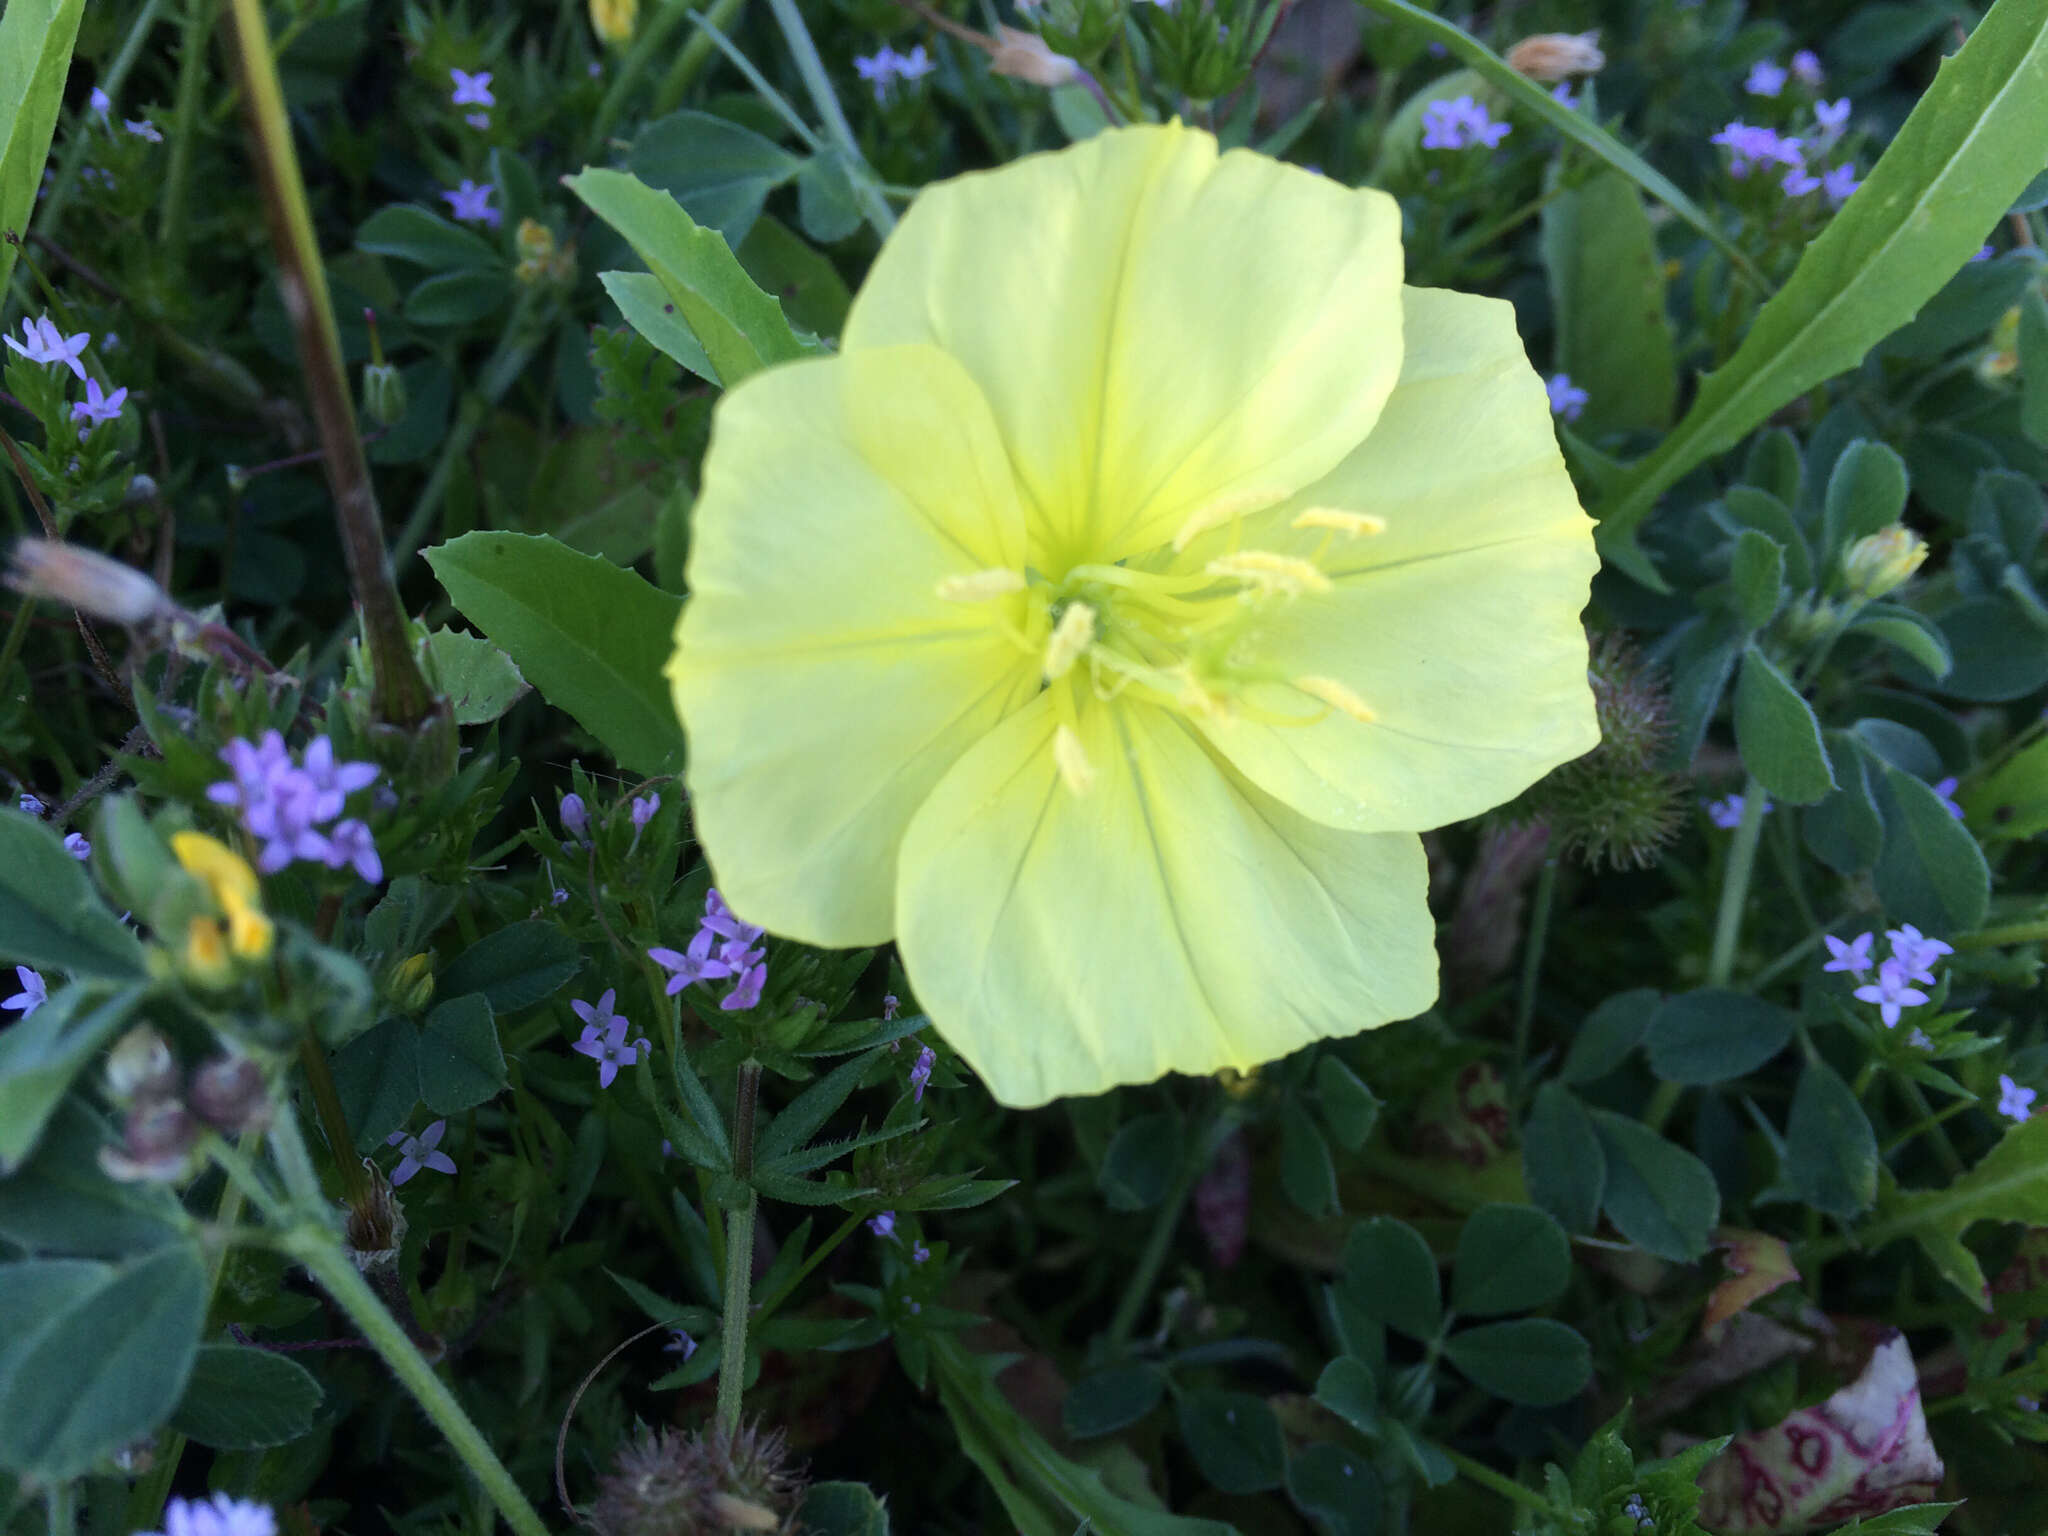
(375, 1229)
(156, 1144)
(140, 1067)
(667, 1482)
(1881, 562)
(1025, 56)
(229, 1094)
(104, 588)
(614, 20)
(1555, 56)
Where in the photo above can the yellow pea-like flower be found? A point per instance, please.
(234, 888)
(1106, 619)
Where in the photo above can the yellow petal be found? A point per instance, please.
(1172, 919)
(822, 680)
(1458, 624)
(1158, 329)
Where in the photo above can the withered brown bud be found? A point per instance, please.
(156, 1144)
(1555, 56)
(229, 1094)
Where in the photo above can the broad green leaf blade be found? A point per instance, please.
(1534, 1360)
(50, 915)
(1562, 1159)
(590, 636)
(1511, 1258)
(1715, 1034)
(1932, 873)
(479, 680)
(1778, 736)
(461, 1064)
(406, 232)
(1830, 1159)
(138, 1326)
(1607, 292)
(41, 1054)
(720, 172)
(515, 967)
(741, 328)
(1974, 141)
(243, 1398)
(645, 304)
(1391, 1274)
(35, 55)
(1661, 1197)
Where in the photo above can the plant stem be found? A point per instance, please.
(170, 225)
(690, 58)
(1506, 1487)
(1735, 879)
(764, 1309)
(315, 1247)
(739, 1253)
(1532, 967)
(401, 695)
(866, 190)
(2034, 932)
(61, 1500)
(1139, 1288)
(355, 1186)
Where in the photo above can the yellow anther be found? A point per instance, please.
(1076, 772)
(1286, 574)
(1070, 640)
(1337, 696)
(1352, 524)
(1219, 512)
(1204, 701)
(980, 586)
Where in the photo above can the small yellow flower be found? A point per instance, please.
(1881, 562)
(205, 956)
(233, 886)
(615, 20)
(1106, 619)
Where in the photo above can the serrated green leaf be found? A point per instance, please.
(479, 680)
(2009, 1184)
(809, 1110)
(645, 305)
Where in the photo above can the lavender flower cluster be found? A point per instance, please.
(884, 67)
(1460, 123)
(42, 342)
(738, 956)
(1754, 150)
(285, 805)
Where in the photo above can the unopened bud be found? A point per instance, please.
(1881, 562)
(1024, 56)
(375, 1228)
(156, 1144)
(614, 20)
(140, 1066)
(536, 244)
(90, 582)
(229, 1094)
(1555, 56)
(383, 393)
(410, 986)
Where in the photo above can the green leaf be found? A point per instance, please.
(1976, 137)
(377, 1077)
(1234, 1439)
(242, 1398)
(1756, 575)
(1307, 1173)
(825, 201)
(1932, 873)
(461, 1064)
(2034, 365)
(1533, 1360)
(1348, 1390)
(2013, 802)
(1350, 1108)
(1511, 1258)
(1111, 1400)
(36, 38)
(1607, 297)
(1908, 633)
(426, 239)
(1142, 1162)
(2010, 1184)
(40, 1055)
(100, 1365)
(741, 328)
(718, 171)
(1986, 667)
(1913, 1520)
(60, 1201)
(812, 292)
(1844, 831)
(645, 305)
(1714, 1034)
(1391, 1274)
(1659, 1196)
(1830, 1158)
(1337, 1488)
(1866, 493)
(50, 915)
(843, 1509)
(809, 1110)
(591, 637)
(1563, 1162)
(515, 967)
(1607, 1035)
(1777, 734)
(458, 298)
(479, 680)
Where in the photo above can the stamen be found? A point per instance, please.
(1350, 523)
(980, 586)
(1221, 511)
(1070, 640)
(1203, 701)
(1270, 572)
(1337, 696)
(1076, 772)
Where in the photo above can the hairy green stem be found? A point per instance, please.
(316, 1247)
(739, 1252)
(60, 1499)
(693, 55)
(653, 39)
(1532, 968)
(170, 225)
(866, 190)
(1735, 878)
(765, 1308)
(1506, 1487)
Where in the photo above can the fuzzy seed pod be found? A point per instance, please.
(666, 1483)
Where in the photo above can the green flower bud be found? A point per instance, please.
(1881, 562)
(383, 393)
(410, 986)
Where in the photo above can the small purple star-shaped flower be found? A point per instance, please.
(350, 844)
(30, 805)
(575, 818)
(334, 782)
(890, 1004)
(1799, 181)
(1567, 400)
(1833, 117)
(1853, 957)
(144, 129)
(919, 1253)
(1891, 992)
(746, 992)
(921, 1073)
(471, 90)
(1944, 790)
(1806, 68)
(644, 808)
(100, 102)
(913, 65)
(883, 1224)
(471, 204)
(42, 342)
(33, 994)
(694, 965)
(877, 69)
(98, 405)
(1839, 183)
(2014, 1102)
(417, 1152)
(679, 1343)
(1766, 78)
(1915, 952)
(76, 845)
(221, 1515)
(1726, 813)
(604, 1037)
(480, 121)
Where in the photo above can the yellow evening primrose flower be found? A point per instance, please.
(1105, 620)
(234, 888)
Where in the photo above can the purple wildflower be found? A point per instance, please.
(1853, 957)
(480, 121)
(575, 818)
(1833, 117)
(1806, 68)
(604, 1039)
(101, 103)
(283, 804)
(42, 342)
(1726, 813)
(921, 1073)
(878, 69)
(644, 808)
(471, 204)
(76, 845)
(98, 405)
(1460, 123)
(883, 1225)
(1891, 992)
(919, 1253)
(333, 782)
(221, 1515)
(1919, 1040)
(1915, 952)
(1561, 93)
(890, 1003)
(1945, 790)
(913, 65)
(746, 992)
(1751, 147)
(1985, 253)
(1766, 78)
(1840, 183)
(694, 965)
(2014, 1102)
(471, 90)
(417, 1152)
(33, 994)
(1799, 181)
(350, 845)
(144, 129)
(1567, 400)
(31, 806)
(679, 1343)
